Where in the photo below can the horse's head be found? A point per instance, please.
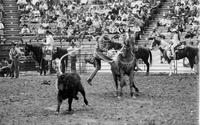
(27, 49)
(155, 43)
(127, 48)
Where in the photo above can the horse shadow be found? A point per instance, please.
(51, 111)
(111, 96)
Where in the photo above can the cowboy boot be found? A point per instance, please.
(89, 80)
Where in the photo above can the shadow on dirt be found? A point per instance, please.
(111, 96)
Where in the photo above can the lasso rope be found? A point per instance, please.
(59, 60)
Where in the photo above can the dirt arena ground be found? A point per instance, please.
(164, 100)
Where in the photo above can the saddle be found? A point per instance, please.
(176, 49)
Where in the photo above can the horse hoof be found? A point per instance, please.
(137, 94)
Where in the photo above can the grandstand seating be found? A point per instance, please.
(12, 29)
(11, 21)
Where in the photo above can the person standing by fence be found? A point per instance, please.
(72, 56)
(14, 55)
(48, 47)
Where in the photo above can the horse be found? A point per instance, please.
(124, 65)
(141, 52)
(191, 53)
(59, 52)
(38, 56)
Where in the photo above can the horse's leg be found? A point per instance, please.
(131, 77)
(41, 66)
(147, 64)
(122, 83)
(170, 68)
(63, 66)
(66, 62)
(116, 82)
(132, 84)
(191, 61)
(44, 67)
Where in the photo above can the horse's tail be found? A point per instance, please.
(150, 54)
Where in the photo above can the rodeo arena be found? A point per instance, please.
(99, 62)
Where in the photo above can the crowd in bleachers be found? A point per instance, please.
(69, 18)
(2, 13)
(183, 13)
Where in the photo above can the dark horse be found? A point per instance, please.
(141, 52)
(124, 65)
(38, 56)
(188, 51)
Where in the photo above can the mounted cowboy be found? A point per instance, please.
(100, 54)
(175, 39)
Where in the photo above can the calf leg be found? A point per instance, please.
(82, 91)
(75, 92)
(70, 103)
(59, 101)
(116, 82)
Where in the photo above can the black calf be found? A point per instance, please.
(69, 84)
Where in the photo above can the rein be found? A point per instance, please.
(124, 63)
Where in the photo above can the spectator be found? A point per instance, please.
(21, 2)
(34, 2)
(1, 29)
(25, 29)
(40, 34)
(2, 12)
(4, 62)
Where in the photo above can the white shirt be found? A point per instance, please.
(1, 26)
(21, 2)
(24, 30)
(49, 40)
(34, 1)
(175, 39)
(41, 31)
